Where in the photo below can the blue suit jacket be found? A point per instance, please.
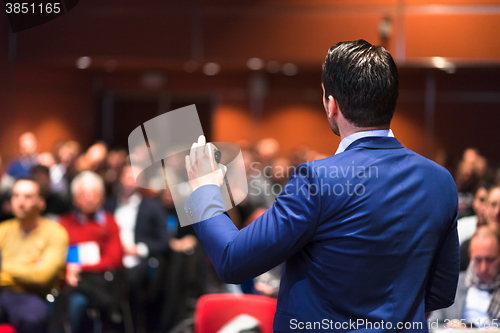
(368, 235)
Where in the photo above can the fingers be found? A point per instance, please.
(201, 146)
(197, 148)
(193, 152)
(188, 163)
(209, 150)
(201, 140)
(223, 168)
(200, 149)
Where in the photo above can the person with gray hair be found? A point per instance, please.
(477, 302)
(95, 249)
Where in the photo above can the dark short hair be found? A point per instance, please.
(364, 80)
(39, 168)
(483, 184)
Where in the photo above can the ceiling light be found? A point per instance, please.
(255, 64)
(83, 62)
(290, 69)
(211, 68)
(439, 62)
(273, 67)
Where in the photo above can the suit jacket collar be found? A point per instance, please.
(375, 142)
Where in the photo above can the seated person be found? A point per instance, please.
(487, 210)
(478, 291)
(54, 204)
(95, 252)
(143, 233)
(467, 225)
(21, 168)
(184, 281)
(33, 256)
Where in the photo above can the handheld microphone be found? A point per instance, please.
(218, 157)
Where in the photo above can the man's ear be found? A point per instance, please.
(332, 107)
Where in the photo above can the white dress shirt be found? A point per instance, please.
(476, 307)
(126, 218)
(358, 135)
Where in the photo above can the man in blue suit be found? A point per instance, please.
(368, 236)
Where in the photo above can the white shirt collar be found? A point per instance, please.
(363, 134)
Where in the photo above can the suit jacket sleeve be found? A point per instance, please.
(277, 235)
(444, 271)
(456, 310)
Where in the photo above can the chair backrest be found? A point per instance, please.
(4, 328)
(215, 310)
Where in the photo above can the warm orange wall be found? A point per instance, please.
(232, 123)
(467, 36)
(291, 124)
(297, 124)
(282, 30)
(55, 105)
(300, 124)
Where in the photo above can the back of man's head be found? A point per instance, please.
(363, 79)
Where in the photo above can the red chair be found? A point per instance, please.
(4, 328)
(215, 310)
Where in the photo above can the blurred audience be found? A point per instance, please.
(467, 225)
(471, 170)
(28, 147)
(63, 172)
(491, 213)
(46, 159)
(54, 204)
(143, 234)
(20, 167)
(5, 206)
(478, 292)
(268, 284)
(492, 210)
(95, 253)
(115, 161)
(138, 249)
(33, 253)
(185, 278)
(95, 158)
(258, 189)
(267, 149)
